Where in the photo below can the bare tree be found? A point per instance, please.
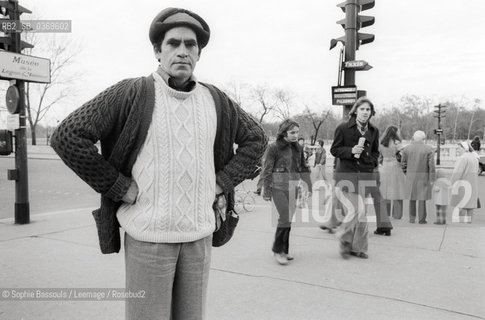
(264, 97)
(41, 97)
(472, 120)
(235, 91)
(283, 106)
(317, 121)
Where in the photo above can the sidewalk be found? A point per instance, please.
(420, 272)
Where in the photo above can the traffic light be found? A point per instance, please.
(365, 21)
(10, 26)
(354, 22)
(6, 146)
(440, 111)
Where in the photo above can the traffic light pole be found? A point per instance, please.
(351, 10)
(22, 205)
(438, 152)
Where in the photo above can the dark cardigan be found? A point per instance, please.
(119, 117)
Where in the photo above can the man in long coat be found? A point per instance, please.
(419, 166)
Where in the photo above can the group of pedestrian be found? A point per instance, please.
(167, 156)
(419, 181)
(405, 173)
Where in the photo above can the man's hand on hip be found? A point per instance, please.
(131, 194)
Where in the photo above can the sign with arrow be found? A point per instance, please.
(357, 65)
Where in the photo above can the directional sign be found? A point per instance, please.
(13, 122)
(344, 95)
(23, 67)
(357, 65)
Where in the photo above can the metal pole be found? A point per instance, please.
(341, 61)
(22, 206)
(439, 136)
(351, 10)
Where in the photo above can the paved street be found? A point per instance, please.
(52, 187)
(420, 272)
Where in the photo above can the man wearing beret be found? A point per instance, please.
(166, 152)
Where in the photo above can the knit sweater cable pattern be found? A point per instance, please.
(174, 170)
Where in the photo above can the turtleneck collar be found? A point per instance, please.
(188, 86)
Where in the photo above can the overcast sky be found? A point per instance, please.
(434, 48)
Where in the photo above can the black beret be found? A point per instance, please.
(176, 17)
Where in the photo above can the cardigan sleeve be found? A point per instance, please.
(74, 140)
(251, 143)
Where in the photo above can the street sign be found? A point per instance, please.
(344, 95)
(357, 65)
(22, 67)
(13, 122)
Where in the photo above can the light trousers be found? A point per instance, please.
(172, 276)
(353, 231)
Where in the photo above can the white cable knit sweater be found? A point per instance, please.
(174, 169)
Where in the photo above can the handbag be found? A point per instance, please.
(226, 221)
(302, 198)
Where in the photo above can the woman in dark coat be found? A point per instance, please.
(284, 166)
(356, 174)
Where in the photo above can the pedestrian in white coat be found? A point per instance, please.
(464, 181)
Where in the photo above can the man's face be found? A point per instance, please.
(363, 112)
(179, 53)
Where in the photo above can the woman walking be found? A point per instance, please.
(283, 168)
(392, 177)
(464, 182)
(320, 161)
(356, 145)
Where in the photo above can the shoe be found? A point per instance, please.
(412, 221)
(289, 257)
(330, 230)
(281, 258)
(383, 231)
(422, 222)
(438, 222)
(344, 250)
(361, 255)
